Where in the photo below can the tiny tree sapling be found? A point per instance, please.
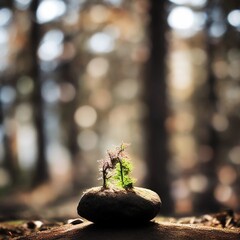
(118, 167)
(122, 171)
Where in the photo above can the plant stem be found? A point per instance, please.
(104, 183)
(121, 171)
(104, 180)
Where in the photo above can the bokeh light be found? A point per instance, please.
(116, 3)
(26, 145)
(51, 46)
(50, 91)
(87, 140)
(234, 155)
(24, 113)
(127, 89)
(101, 99)
(181, 18)
(25, 85)
(99, 14)
(217, 30)
(5, 16)
(220, 122)
(85, 116)
(227, 175)
(101, 43)
(67, 92)
(223, 193)
(193, 3)
(50, 10)
(4, 37)
(22, 4)
(7, 94)
(59, 156)
(234, 19)
(198, 183)
(98, 67)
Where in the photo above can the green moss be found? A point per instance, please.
(122, 174)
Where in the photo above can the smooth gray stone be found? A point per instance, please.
(117, 206)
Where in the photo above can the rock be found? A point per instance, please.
(34, 224)
(119, 207)
(74, 221)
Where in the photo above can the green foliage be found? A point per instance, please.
(117, 168)
(122, 174)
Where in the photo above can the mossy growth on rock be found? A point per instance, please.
(117, 201)
(116, 168)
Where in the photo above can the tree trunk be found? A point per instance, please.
(155, 99)
(41, 173)
(9, 159)
(209, 168)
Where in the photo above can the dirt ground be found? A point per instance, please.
(223, 225)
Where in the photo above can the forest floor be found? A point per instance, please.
(59, 220)
(223, 225)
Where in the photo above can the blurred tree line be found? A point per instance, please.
(79, 76)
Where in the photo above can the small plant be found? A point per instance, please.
(117, 167)
(123, 169)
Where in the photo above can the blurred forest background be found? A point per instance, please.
(78, 77)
